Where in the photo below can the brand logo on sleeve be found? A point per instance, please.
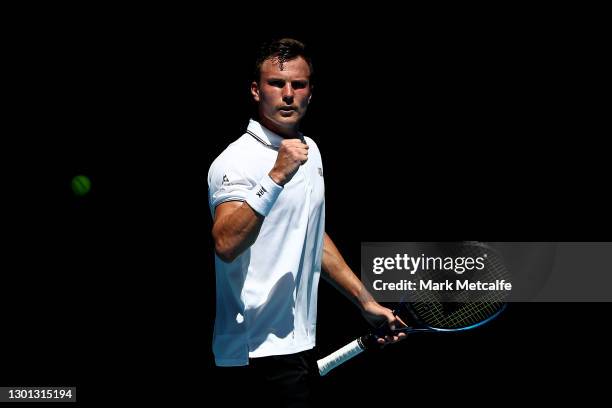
(320, 171)
(226, 181)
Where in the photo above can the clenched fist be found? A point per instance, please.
(292, 153)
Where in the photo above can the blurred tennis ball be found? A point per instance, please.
(81, 185)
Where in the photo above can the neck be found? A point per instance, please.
(287, 133)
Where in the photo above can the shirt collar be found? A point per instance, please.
(265, 135)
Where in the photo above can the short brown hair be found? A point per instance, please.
(282, 50)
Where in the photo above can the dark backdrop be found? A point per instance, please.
(429, 131)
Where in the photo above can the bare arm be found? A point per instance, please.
(339, 274)
(237, 225)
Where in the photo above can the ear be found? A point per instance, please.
(255, 91)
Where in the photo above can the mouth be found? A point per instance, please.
(287, 111)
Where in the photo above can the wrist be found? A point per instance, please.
(263, 196)
(277, 177)
(365, 300)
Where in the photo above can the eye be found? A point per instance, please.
(299, 84)
(277, 83)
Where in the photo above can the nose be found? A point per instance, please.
(288, 93)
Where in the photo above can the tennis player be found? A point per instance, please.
(266, 195)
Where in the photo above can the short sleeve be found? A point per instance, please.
(226, 183)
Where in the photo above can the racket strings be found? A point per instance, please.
(468, 314)
(462, 308)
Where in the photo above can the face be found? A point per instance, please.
(283, 94)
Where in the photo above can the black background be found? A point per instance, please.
(431, 127)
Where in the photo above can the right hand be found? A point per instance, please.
(292, 153)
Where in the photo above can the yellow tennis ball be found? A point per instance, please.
(81, 185)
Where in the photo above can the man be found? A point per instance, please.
(266, 194)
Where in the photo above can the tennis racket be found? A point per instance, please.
(436, 312)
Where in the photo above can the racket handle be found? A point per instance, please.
(342, 355)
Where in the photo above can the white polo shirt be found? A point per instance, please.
(267, 297)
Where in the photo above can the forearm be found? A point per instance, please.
(339, 274)
(235, 231)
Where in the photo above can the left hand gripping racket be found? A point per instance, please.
(437, 312)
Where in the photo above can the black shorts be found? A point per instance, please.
(276, 381)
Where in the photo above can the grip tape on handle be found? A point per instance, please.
(340, 356)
